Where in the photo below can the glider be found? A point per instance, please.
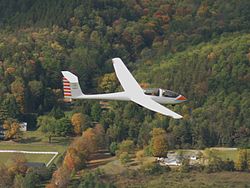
(149, 98)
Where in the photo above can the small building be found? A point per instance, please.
(35, 165)
(23, 126)
(1, 132)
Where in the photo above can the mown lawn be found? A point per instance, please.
(34, 141)
(5, 158)
(225, 154)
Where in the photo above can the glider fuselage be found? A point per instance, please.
(172, 98)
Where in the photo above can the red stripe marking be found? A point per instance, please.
(66, 84)
(67, 95)
(67, 91)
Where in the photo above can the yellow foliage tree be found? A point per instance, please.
(78, 121)
(108, 83)
(159, 142)
(17, 88)
(12, 129)
(140, 155)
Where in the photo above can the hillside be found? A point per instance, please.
(215, 78)
(200, 49)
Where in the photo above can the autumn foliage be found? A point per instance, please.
(11, 129)
(159, 142)
(78, 121)
(76, 156)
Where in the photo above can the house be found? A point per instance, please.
(23, 126)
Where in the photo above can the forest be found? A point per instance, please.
(198, 48)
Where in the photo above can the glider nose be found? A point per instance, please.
(181, 98)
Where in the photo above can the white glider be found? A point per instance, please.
(149, 98)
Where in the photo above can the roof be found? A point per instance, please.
(33, 164)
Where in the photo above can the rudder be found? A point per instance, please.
(71, 87)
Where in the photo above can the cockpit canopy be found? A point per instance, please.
(160, 92)
(168, 93)
(152, 91)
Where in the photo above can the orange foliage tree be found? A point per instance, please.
(18, 165)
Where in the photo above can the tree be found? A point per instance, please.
(6, 178)
(57, 113)
(47, 124)
(17, 88)
(113, 147)
(63, 127)
(108, 83)
(61, 177)
(124, 158)
(96, 112)
(12, 129)
(80, 123)
(242, 162)
(18, 165)
(30, 180)
(18, 181)
(159, 142)
(90, 137)
(9, 108)
(140, 155)
(126, 146)
(100, 136)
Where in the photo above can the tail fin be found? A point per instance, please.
(71, 87)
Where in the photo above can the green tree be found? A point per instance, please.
(124, 158)
(47, 124)
(63, 127)
(126, 146)
(96, 112)
(113, 147)
(57, 113)
(30, 180)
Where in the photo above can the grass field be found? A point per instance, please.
(224, 154)
(34, 141)
(129, 176)
(41, 158)
(187, 180)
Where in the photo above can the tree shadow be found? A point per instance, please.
(30, 140)
(60, 140)
(99, 158)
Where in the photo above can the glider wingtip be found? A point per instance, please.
(116, 59)
(177, 117)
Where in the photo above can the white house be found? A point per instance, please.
(23, 126)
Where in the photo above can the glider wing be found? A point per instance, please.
(150, 104)
(135, 92)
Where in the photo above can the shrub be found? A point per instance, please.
(112, 148)
(154, 169)
(124, 158)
